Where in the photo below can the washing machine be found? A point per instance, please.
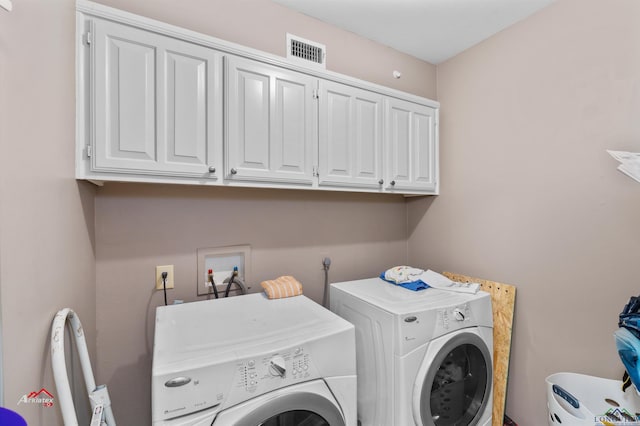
(251, 361)
(423, 358)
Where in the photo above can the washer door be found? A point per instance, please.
(309, 404)
(296, 418)
(454, 385)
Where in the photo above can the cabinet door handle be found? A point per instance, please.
(233, 171)
(393, 182)
(381, 181)
(212, 169)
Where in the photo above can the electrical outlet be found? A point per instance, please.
(159, 270)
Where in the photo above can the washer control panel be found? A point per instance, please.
(301, 365)
(248, 374)
(269, 371)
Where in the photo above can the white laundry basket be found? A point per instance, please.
(577, 399)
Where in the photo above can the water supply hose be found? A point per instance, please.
(326, 263)
(213, 284)
(235, 279)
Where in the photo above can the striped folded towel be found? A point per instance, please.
(285, 286)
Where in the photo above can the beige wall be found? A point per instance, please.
(263, 25)
(529, 195)
(46, 217)
(141, 226)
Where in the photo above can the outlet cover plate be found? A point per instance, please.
(159, 270)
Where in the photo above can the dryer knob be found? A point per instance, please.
(277, 366)
(458, 315)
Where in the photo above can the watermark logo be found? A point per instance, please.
(43, 397)
(618, 416)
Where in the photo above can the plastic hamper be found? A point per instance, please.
(578, 399)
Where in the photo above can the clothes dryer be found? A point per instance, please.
(423, 358)
(251, 361)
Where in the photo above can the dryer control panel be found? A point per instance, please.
(421, 327)
(454, 318)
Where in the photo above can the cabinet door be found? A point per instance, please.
(412, 147)
(271, 130)
(157, 103)
(350, 141)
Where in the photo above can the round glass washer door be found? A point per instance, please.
(296, 418)
(295, 409)
(457, 385)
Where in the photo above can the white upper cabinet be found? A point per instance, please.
(350, 136)
(157, 103)
(412, 147)
(270, 123)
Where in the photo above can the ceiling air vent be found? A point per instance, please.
(306, 52)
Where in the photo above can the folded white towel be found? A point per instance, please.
(402, 274)
(436, 280)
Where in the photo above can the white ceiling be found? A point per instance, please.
(432, 30)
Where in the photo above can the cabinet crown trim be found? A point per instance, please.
(98, 10)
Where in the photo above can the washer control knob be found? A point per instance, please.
(458, 315)
(277, 366)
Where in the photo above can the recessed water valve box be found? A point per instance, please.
(221, 261)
